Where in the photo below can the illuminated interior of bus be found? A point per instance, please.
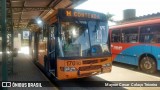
(82, 39)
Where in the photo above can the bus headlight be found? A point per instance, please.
(107, 65)
(69, 69)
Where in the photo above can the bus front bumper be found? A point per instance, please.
(85, 71)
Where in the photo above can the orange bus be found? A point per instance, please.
(73, 44)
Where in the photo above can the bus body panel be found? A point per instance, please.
(137, 23)
(41, 52)
(82, 67)
(130, 53)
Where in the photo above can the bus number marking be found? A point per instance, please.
(73, 63)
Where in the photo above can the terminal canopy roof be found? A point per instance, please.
(24, 12)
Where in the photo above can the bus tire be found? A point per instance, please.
(148, 65)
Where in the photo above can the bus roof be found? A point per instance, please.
(137, 23)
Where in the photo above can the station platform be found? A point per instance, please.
(25, 70)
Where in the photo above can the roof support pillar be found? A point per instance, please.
(4, 42)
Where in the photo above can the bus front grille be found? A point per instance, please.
(87, 68)
(102, 60)
(90, 61)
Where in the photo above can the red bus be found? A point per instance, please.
(137, 43)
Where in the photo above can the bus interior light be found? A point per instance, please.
(74, 32)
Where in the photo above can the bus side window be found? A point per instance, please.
(133, 38)
(158, 38)
(115, 36)
(130, 35)
(150, 34)
(154, 40)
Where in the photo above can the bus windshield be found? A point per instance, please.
(83, 39)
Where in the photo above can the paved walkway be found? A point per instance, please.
(25, 70)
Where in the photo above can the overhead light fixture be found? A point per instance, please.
(39, 21)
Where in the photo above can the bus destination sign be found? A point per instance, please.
(82, 14)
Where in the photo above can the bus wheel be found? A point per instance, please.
(148, 65)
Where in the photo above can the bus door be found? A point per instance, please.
(116, 47)
(42, 46)
(51, 49)
(130, 45)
